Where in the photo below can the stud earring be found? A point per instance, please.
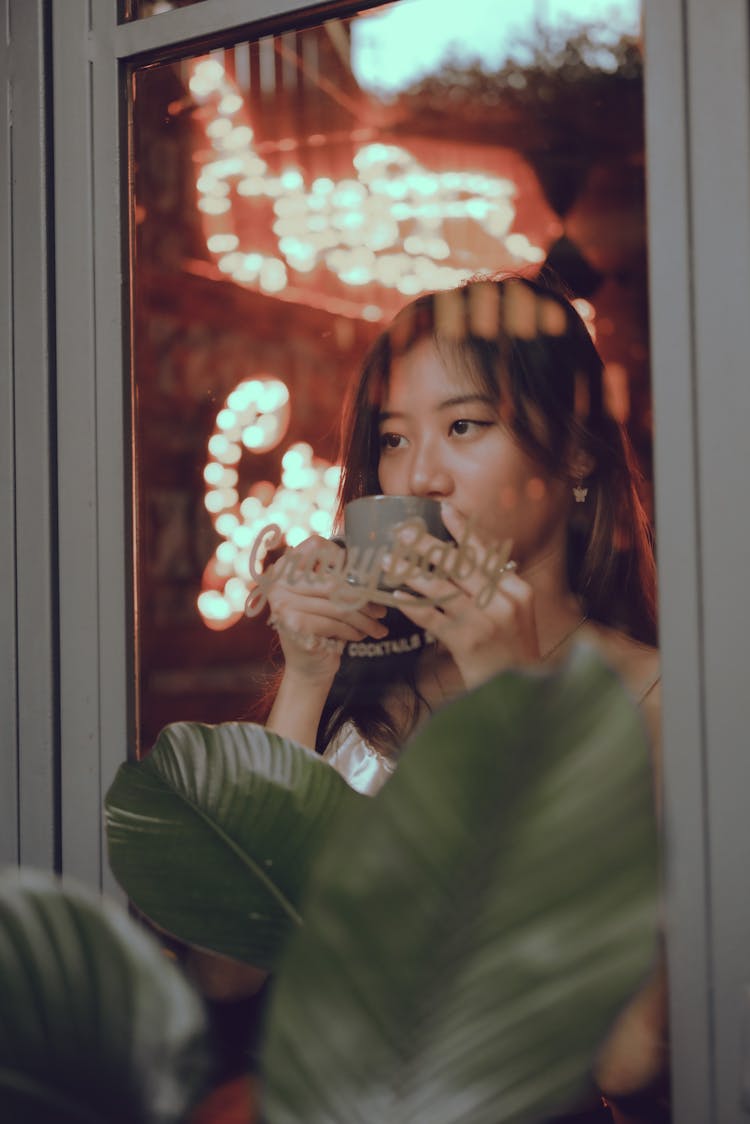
(579, 491)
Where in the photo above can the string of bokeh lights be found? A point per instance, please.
(254, 419)
(386, 226)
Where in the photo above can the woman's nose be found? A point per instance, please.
(428, 474)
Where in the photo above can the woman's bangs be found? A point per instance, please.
(475, 361)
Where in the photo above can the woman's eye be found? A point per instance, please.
(391, 440)
(463, 425)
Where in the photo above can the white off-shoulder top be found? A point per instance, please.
(367, 770)
(358, 763)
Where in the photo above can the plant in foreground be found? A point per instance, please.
(451, 950)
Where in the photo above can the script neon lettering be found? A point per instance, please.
(353, 576)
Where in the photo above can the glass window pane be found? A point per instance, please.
(291, 194)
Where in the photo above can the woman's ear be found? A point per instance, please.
(581, 465)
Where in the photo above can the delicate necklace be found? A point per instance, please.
(568, 636)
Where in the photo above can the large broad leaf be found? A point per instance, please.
(213, 834)
(470, 938)
(96, 1026)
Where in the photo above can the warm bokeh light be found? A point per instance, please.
(536, 489)
(256, 415)
(587, 313)
(617, 391)
(391, 223)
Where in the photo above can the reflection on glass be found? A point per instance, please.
(142, 9)
(291, 193)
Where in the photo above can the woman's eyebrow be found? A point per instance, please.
(465, 399)
(446, 404)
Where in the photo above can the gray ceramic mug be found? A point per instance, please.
(369, 521)
(368, 530)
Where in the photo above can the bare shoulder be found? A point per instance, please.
(639, 669)
(637, 664)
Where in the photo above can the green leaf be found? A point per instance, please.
(471, 935)
(96, 1025)
(212, 835)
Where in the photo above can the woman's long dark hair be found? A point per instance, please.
(525, 345)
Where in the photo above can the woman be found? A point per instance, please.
(488, 399)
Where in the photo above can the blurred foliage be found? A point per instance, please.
(537, 69)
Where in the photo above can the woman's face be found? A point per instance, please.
(441, 436)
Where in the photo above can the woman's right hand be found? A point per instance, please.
(312, 629)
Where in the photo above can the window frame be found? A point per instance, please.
(29, 699)
(68, 748)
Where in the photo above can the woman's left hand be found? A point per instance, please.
(484, 635)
